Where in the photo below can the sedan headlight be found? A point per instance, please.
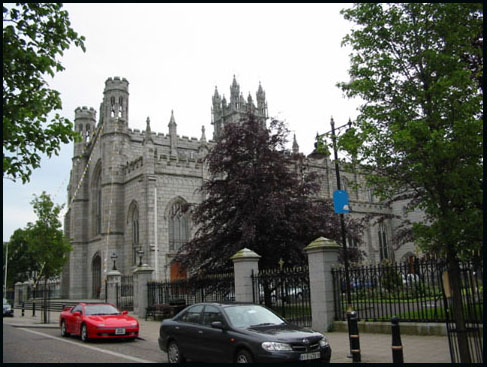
(274, 346)
(324, 342)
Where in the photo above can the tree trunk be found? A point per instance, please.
(454, 276)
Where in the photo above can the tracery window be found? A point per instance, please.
(383, 242)
(178, 226)
(97, 201)
(135, 234)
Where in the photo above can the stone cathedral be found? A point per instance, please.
(127, 187)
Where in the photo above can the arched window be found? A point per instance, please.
(383, 242)
(96, 276)
(112, 103)
(120, 106)
(178, 226)
(97, 200)
(135, 234)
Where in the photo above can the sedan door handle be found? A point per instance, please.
(200, 332)
(177, 327)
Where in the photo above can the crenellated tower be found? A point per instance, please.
(114, 109)
(223, 113)
(84, 124)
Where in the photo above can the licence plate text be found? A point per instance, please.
(120, 331)
(308, 356)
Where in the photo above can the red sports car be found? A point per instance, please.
(97, 320)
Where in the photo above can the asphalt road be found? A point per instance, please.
(24, 345)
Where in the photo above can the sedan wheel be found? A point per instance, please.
(63, 329)
(243, 357)
(174, 354)
(84, 333)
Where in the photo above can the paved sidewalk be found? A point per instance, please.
(376, 348)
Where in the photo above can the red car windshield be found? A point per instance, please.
(101, 310)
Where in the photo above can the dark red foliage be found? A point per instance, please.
(258, 199)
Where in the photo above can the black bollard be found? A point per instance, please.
(23, 309)
(33, 308)
(354, 337)
(397, 351)
(349, 332)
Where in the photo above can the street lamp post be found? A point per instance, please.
(6, 269)
(114, 258)
(342, 221)
(343, 232)
(140, 252)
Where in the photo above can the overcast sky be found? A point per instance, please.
(173, 56)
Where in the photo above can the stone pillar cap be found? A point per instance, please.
(143, 268)
(245, 253)
(113, 272)
(321, 242)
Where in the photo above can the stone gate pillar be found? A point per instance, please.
(114, 279)
(142, 275)
(322, 255)
(18, 294)
(244, 262)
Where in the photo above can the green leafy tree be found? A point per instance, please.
(20, 263)
(47, 243)
(418, 69)
(41, 248)
(35, 35)
(257, 198)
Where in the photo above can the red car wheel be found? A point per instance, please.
(63, 329)
(84, 333)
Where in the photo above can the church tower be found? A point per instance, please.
(114, 109)
(223, 113)
(84, 124)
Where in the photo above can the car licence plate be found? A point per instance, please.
(120, 331)
(308, 356)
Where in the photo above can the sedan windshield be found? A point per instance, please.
(245, 316)
(101, 310)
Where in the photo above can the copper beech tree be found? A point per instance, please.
(258, 198)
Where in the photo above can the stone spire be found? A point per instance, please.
(173, 137)
(261, 102)
(295, 145)
(203, 135)
(148, 134)
(234, 93)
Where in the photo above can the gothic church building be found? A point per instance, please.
(127, 188)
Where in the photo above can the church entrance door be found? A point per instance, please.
(96, 276)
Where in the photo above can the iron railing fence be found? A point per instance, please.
(125, 299)
(286, 291)
(52, 291)
(471, 276)
(411, 291)
(210, 288)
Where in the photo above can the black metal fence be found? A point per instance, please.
(210, 288)
(472, 303)
(125, 296)
(410, 291)
(51, 291)
(286, 291)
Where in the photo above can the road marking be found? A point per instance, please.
(135, 359)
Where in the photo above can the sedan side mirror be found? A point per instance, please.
(77, 313)
(217, 325)
(124, 312)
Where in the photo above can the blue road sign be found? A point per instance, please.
(340, 201)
